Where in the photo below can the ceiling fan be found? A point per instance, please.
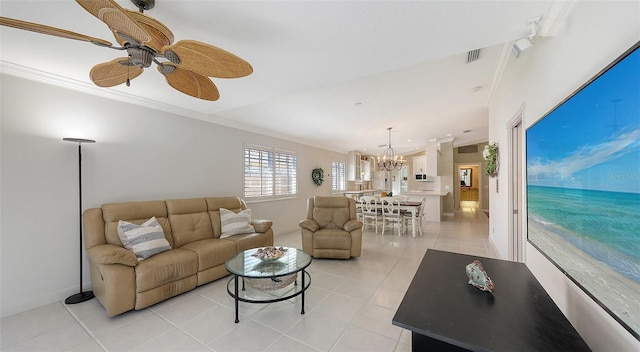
(186, 65)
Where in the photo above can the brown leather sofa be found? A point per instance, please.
(331, 229)
(197, 255)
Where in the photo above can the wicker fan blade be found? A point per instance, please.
(118, 20)
(114, 72)
(39, 28)
(207, 59)
(189, 82)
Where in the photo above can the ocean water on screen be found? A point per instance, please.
(604, 225)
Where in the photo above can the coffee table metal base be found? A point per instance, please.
(297, 290)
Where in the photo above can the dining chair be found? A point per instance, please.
(370, 211)
(359, 209)
(391, 213)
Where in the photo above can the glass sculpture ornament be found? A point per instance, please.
(478, 277)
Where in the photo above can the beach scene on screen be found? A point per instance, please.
(583, 189)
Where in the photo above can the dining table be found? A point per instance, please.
(412, 206)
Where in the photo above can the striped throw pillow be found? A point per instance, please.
(144, 240)
(235, 223)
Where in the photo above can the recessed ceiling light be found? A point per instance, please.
(357, 103)
(476, 88)
(408, 140)
(449, 134)
(466, 131)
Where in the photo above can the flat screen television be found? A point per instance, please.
(583, 188)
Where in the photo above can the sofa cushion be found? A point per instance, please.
(214, 204)
(331, 212)
(235, 223)
(137, 213)
(331, 218)
(165, 268)
(144, 240)
(189, 220)
(331, 239)
(211, 252)
(261, 225)
(251, 240)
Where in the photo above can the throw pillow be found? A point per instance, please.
(235, 223)
(144, 240)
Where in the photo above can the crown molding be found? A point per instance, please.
(555, 17)
(84, 87)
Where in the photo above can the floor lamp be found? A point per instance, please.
(87, 295)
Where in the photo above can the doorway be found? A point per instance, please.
(468, 185)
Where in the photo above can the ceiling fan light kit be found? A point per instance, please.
(186, 64)
(144, 4)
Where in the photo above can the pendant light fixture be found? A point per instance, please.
(390, 159)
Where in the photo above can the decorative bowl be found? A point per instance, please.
(270, 253)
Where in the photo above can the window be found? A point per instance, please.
(269, 173)
(338, 176)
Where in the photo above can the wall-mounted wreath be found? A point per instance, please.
(317, 175)
(490, 155)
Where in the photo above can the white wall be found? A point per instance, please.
(140, 154)
(595, 34)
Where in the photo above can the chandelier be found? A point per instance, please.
(390, 160)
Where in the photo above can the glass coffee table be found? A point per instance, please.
(268, 281)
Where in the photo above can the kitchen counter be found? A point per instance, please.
(426, 193)
(358, 194)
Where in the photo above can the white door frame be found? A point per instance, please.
(456, 181)
(515, 189)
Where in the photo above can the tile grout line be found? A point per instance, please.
(84, 327)
(179, 328)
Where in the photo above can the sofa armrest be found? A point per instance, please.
(112, 254)
(261, 225)
(352, 225)
(309, 225)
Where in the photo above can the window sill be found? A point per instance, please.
(267, 199)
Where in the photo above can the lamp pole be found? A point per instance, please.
(86, 295)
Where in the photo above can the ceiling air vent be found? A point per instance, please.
(467, 149)
(473, 55)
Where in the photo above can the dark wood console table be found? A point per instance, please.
(445, 313)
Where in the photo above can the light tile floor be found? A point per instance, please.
(349, 306)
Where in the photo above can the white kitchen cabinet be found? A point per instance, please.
(353, 167)
(420, 164)
(359, 168)
(365, 169)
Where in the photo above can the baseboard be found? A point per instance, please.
(494, 248)
(40, 301)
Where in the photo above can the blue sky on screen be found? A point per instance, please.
(592, 141)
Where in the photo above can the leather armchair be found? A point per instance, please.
(331, 229)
